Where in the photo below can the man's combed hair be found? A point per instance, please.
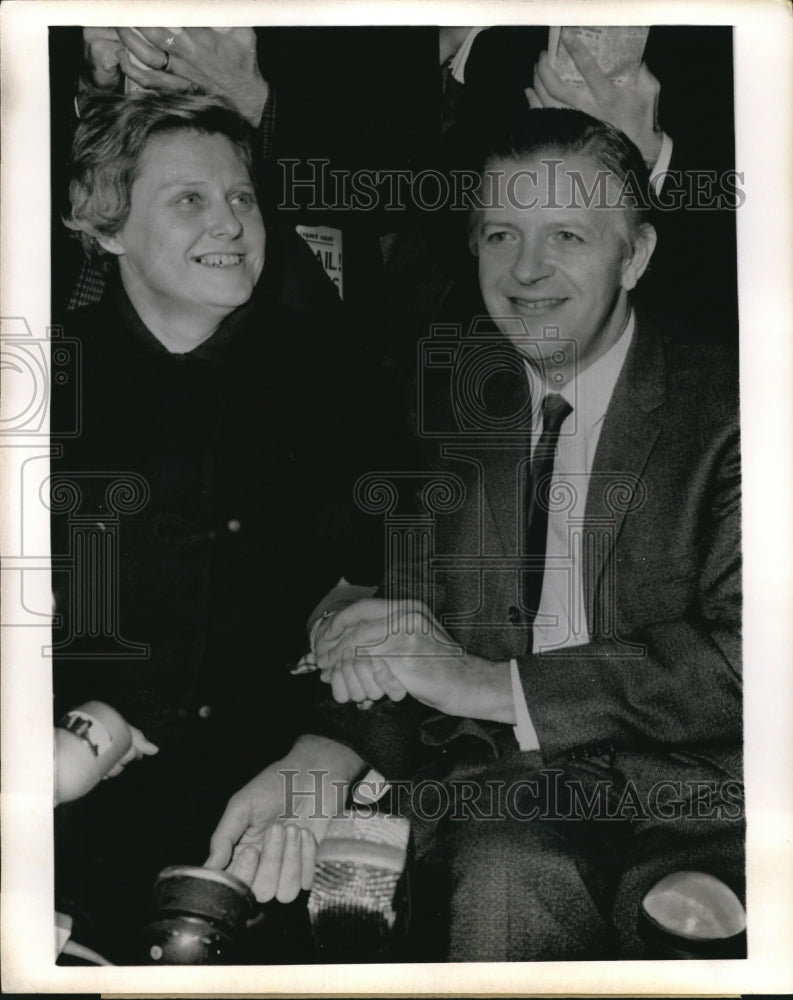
(557, 133)
(108, 143)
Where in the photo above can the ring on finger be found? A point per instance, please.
(164, 67)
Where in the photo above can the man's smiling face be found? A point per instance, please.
(548, 259)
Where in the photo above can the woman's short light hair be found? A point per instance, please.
(110, 139)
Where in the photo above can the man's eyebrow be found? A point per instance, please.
(499, 222)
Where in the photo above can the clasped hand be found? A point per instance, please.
(377, 648)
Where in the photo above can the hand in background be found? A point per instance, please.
(269, 832)
(101, 48)
(631, 108)
(141, 747)
(220, 61)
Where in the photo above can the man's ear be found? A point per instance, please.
(635, 264)
(110, 244)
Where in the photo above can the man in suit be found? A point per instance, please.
(563, 670)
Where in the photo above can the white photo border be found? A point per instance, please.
(763, 59)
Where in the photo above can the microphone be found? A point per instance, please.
(358, 906)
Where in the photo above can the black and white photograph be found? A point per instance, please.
(389, 514)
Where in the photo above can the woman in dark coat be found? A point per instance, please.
(193, 497)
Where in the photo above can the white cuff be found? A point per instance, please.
(525, 733)
(659, 171)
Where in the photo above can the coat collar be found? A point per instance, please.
(145, 345)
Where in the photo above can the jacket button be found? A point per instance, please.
(514, 616)
(234, 525)
(205, 712)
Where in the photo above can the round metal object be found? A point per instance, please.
(198, 917)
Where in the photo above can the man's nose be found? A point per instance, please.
(532, 261)
(223, 221)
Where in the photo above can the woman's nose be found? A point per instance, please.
(223, 221)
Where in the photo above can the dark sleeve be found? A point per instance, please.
(386, 736)
(696, 255)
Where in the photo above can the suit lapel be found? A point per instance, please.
(630, 430)
(502, 459)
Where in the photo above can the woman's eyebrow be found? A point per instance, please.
(246, 182)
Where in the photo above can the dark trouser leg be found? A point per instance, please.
(524, 892)
(531, 884)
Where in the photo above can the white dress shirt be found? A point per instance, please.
(561, 616)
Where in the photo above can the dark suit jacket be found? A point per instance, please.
(661, 675)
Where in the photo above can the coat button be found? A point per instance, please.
(233, 525)
(205, 712)
(514, 616)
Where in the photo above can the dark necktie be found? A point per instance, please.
(554, 411)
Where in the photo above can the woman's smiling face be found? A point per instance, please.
(193, 242)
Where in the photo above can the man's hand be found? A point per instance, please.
(632, 109)
(269, 833)
(220, 61)
(375, 648)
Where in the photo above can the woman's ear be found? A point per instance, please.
(636, 263)
(110, 244)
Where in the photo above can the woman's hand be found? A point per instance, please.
(269, 832)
